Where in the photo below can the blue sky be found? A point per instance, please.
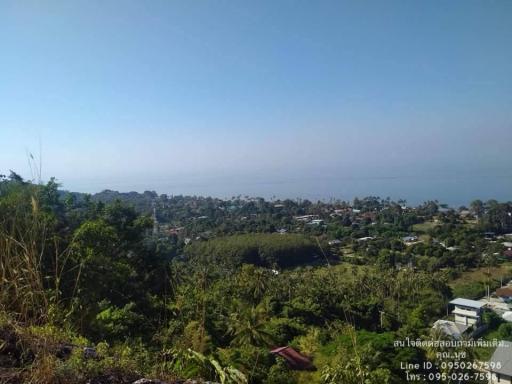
(137, 94)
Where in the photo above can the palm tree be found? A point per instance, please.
(247, 326)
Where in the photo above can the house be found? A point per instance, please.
(467, 312)
(306, 218)
(409, 239)
(465, 213)
(504, 293)
(295, 360)
(282, 231)
(316, 222)
(502, 358)
(334, 242)
(508, 253)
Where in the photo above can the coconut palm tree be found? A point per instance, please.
(247, 325)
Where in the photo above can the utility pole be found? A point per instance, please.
(155, 221)
(323, 253)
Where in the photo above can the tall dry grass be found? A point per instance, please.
(23, 238)
(32, 262)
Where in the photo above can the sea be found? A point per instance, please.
(453, 190)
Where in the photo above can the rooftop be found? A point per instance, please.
(467, 303)
(504, 291)
(502, 355)
(295, 359)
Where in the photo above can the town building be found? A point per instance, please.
(467, 312)
(409, 239)
(504, 293)
(306, 218)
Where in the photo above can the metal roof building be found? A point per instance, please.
(468, 303)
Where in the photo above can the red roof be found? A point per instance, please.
(504, 292)
(295, 359)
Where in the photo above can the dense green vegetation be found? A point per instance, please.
(210, 288)
(264, 250)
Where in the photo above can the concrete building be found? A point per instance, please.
(467, 312)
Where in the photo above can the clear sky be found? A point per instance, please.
(162, 94)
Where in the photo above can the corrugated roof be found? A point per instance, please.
(503, 355)
(295, 359)
(467, 303)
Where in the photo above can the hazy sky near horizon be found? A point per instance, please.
(122, 94)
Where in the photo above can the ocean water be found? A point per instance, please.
(454, 190)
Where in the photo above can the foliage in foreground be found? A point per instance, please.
(83, 273)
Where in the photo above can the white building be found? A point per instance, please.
(410, 239)
(467, 312)
(306, 218)
(507, 316)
